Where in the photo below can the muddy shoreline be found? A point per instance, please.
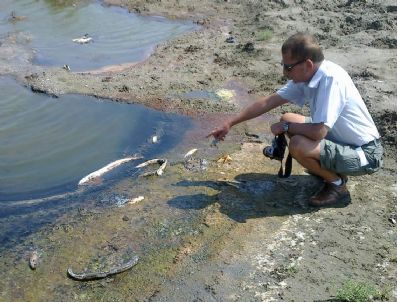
(234, 232)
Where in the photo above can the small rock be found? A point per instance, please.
(230, 39)
(248, 47)
(125, 218)
(33, 260)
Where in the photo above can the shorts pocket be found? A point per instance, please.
(374, 155)
(347, 162)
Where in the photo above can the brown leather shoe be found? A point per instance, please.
(330, 194)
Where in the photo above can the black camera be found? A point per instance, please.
(277, 149)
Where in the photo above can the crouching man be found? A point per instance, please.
(339, 138)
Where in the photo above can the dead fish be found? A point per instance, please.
(14, 17)
(33, 260)
(160, 170)
(190, 153)
(100, 275)
(151, 162)
(224, 159)
(83, 40)
(136, 200)
(105, 169)
(234, 183)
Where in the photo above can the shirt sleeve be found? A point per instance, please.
(292, 92)
(329, 102)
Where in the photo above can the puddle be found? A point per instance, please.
(117, 35)
(49, 144)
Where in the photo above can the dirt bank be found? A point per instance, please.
(233, 232)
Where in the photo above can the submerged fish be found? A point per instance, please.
(83, 40)
(14, 17)
(105, 169)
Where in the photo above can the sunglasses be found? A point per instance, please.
(288, 67)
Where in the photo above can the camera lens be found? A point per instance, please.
(268, 151)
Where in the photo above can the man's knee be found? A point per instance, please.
(295, 145)
(292, 118)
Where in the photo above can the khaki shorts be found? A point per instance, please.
(345, 160)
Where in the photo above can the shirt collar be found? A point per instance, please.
(315, 80)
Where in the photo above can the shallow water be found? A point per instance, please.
(49, 144)
(117, 35)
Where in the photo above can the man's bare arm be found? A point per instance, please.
(256, 109)
(313, 131)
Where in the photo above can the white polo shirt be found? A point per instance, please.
(335, 101)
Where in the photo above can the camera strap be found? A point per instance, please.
(288, 167)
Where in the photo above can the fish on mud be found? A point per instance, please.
(190, 153)
(94, 175)
(159, 171)
(136, 200)
(33, 260)
(87, 276)
(151, 162)
(224, 159)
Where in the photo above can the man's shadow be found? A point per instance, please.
(253, 195)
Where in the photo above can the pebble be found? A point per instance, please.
(33, 260)
(230, 39)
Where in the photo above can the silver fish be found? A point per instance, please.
(83, 40)
(190, 153)
(105, 169)
(160, 170)
(150, 162)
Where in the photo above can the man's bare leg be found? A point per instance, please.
(306, 151)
